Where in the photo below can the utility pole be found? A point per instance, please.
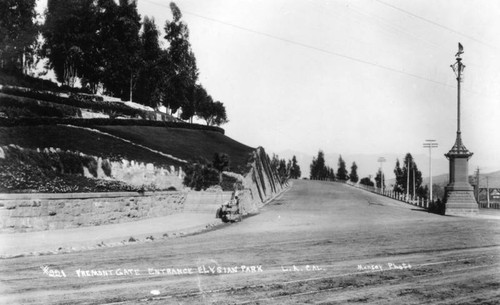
(413, 169)
(430, 144)
(408, 165)
(487, 192)
(381, 160)
(477, 184)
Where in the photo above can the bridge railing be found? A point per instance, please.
(413, 200)
(491, 205)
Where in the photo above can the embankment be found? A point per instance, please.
(38, 211)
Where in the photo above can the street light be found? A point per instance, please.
(430, 144)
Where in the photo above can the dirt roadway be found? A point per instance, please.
(319, 243)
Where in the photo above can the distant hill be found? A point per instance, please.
(492, 179)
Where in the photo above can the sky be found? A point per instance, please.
(368, 77)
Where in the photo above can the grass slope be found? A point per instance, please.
(184, 143)
(181, 143)
(87, 142)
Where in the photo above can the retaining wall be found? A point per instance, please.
(38, 212)
(261, 181)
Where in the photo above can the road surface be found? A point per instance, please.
(319, 243)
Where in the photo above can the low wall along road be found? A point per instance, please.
(37, 212)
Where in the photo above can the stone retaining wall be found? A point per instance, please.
(37, 212)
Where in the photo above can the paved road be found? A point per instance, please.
(318, 243)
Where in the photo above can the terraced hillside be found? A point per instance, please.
(161, 146)
(79, 136)
(131, 143)
(185, 144)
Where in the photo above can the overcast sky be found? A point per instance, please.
(370, 76)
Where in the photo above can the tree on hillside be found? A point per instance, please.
(149, 38)
(400, 184)
(283, 172)
(366, 181)
(121, 46)
(342, 171)
(275, 161)
(152, 73)
(221, 163)
(70, 38)
(331, 174)
(197, 96)
(353, 176)
(318, 169)
(281, 167)
(18, 33)
(200, 175)
(415, 175)
(214, 113)
(423, 191)
(408, 176)
(185, 71)
(295, 169)
(380, 180)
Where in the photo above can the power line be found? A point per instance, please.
(322, 50)
(389, 27)
(436, 24)
(309, 46)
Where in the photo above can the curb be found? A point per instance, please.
(131, 240)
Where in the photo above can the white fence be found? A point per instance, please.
(413, 200)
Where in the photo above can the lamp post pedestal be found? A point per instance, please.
(459, 194)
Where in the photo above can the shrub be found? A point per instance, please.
(200, 175)
(19, 107)
(72, 163)
(366, 181)
(228, 183)
(106, 167)
(91, 164)
(437, 207)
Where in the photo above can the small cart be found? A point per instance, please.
(229, 211)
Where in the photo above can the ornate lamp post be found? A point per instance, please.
(459, 194)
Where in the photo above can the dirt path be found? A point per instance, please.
(318, 243)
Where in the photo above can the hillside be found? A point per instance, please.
(58, 140)
(185, 144)
(79, 140)
(50, 158)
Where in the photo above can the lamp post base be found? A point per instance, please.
(460, 201)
